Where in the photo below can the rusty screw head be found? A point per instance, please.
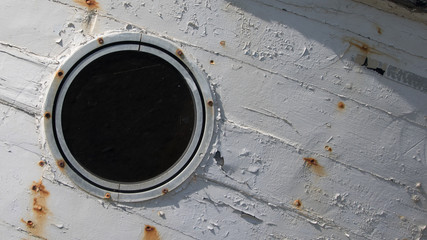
(179, 52)
(212, 62)
(47, 115)
(341, 105)
(107, 195)
(210, 103)
(34, 188)
(149, 228)
(41, 163)
(297, 203)
(61, 163)
(60, 73)
(222, 43)
(100, 41)
(165, 190)
(30, 223)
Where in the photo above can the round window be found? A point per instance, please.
(128, 117)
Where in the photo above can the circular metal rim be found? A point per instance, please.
(127, 192)
(139, 186)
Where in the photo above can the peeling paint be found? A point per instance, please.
(280, 69)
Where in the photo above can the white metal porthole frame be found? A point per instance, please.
(162, 183)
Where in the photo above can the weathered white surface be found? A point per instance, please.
(277, 81)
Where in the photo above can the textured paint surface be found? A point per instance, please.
(311, 143)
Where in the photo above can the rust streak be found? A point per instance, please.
(40, 209)
(363, 47)
(150, 233)
(314, 166)
(90, 4)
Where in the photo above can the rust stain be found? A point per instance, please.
(210, 103)
(150, 233)
(314, 166)
(222, 43)
(341, 105)
(41, 163)
(107, 196)
(363, 47)
(379, 30)
(90, 4)
(297, 203)
(60, 163)
(165, 190)
(327, 148)
(40, 210)
(212, 62)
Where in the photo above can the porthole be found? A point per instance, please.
(129, 117)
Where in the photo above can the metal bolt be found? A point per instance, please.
(60, 73)
(61, 163)
(100, 41)
(179, 52)
(210, 103)
(47, 115)
(149, 228)
(107, 195)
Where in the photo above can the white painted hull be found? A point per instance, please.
(289, 85)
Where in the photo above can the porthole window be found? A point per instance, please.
(129, 117)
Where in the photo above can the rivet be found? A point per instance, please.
(60, 73)
(179, 52)
(149, 228)
(41, 163)
(297, 203)
(210, 103)
(61, 163)
(47, 115)
(107, 196)
(165, 190)
(100, 41)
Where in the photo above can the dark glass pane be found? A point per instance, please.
(128, 116)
